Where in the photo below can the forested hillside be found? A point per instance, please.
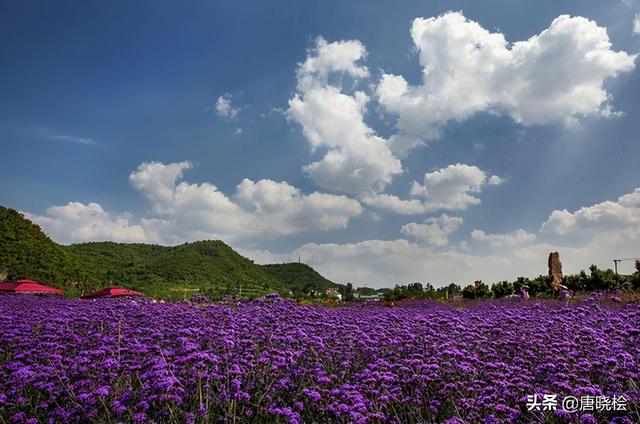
(210, 267)
(299, 277)
(26, 252)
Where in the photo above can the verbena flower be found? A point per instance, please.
(275, 360)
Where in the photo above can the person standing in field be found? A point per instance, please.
(524, 293)
(565, 294)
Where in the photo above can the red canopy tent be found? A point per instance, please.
(28, 286)
(113, 292)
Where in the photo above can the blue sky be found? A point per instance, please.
(298, 129)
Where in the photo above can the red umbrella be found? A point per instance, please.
(113, 292)
(28, 286)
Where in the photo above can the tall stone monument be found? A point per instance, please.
(555, 270)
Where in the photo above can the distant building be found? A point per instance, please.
(333, 293)
(370, 297)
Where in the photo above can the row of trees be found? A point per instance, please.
(541, 286)
(317, 291)
(420, 291)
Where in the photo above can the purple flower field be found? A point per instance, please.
(272, 360)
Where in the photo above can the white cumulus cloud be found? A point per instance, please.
(283, 206)
(394, 204)
(257, 210)
(434, 230)
(495, 180)
(357, 160)
(604, 216)
(225, 108)
(554, 76)
(79, 222)
(514, 238)
(183, 211)
(452, 188)
(157, 180)
(383, 263)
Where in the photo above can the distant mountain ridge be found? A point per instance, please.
(210, 267)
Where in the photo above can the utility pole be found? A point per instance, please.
(616, 261)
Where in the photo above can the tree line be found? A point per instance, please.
(594, 280)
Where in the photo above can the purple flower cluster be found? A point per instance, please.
(64, 360)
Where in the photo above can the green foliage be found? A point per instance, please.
(26, 252)
(348, 293)
(635, 281)
(469, 292)
(448, 292)
(597, 279)
(502, 289)
(209, 267)
(482, 290)
(541, 286)
(410, 291)
(366, 291)
(477, 290)
(301, 279)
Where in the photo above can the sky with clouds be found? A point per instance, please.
(381, 143)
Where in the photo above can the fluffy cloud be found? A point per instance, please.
(515, 238)
(266, 208)
(225, 108)
(453, 187)
(357, 160)
(325, 58)
(631, 200)
(77, 222)
(382, 263)
(450, 188)
(260, 209)
(554, 76)
(602, 216)
(183, 211)
(394, 204)
(636, 24)
(288, 210)
(434, 230)
(495, 180)
(157, 180)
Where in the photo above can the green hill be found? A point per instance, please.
(298, 276)
(27, 252)
(210, 267)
